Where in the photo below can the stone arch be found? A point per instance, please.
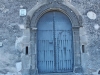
(66, 8)
(31, 21)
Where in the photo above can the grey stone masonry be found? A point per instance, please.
(17, 33)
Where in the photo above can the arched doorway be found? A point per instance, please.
(54, 43)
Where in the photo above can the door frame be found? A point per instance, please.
(31, 21)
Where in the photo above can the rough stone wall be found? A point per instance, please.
(90, 34)
(11, 34)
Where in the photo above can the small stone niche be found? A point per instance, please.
(26, 50)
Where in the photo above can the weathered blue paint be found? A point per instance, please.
(54, 43)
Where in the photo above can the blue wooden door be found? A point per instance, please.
(54, 43)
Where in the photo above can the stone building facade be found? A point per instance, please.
(18, 35)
